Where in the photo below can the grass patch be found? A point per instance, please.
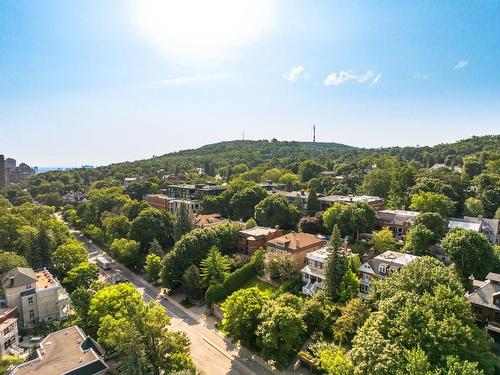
(254, 282)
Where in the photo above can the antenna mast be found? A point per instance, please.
(314, 133)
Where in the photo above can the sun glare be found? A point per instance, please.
(197, 30)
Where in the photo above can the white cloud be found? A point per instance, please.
(376, 80)
(295, 73)
(461, 64)
(336, 79)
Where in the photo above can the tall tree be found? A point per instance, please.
(214, 268)
(152, 224)
(418, 240)
(275, 210)
(192, 283)
(183, 223)
(68, 256)
(335, 270)
(312, 201)
(383, 240)
(432, 202)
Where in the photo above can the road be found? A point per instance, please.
(212, 353)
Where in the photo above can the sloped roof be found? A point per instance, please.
(18, 276)
(483, 296)
(295, 241)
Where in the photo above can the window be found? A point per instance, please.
(28, 286)
(363, 288)
(30, 300)
(382, 268)
(32, 314)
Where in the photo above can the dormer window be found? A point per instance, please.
(382, 269)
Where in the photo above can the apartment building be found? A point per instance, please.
(37, 295)
(9, 336)
(252, 239)
(196, 191)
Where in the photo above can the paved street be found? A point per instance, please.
(211, 353)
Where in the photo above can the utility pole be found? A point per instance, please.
(314, 133)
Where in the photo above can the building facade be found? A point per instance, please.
(9, 335)
(252, 239)
(376, 203)
(399, 221)
(295, 244)
(484, 297)
(488, 227)
(196, 192)
(37, 295)
(380, 267)
(3, 175)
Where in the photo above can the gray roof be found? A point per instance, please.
(18, 276)
(493, 277)
(392, 260)
(483, 296)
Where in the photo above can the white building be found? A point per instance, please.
(9, 336)
(488, 227)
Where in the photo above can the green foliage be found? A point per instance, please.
(243, 202)
(335, 362)
(353, 315)
(251, 223)
(152, 224)
(114, 227)
(193, 247)
(183, 223)
(350, 218)
(241, 311)
(471, 252)
(349, 286)
(126, 251)
(280, 266)
(214, 268)
(291, 181)
(312, 201)
(383, 241)
(474, 207)
(153, 267)
(336, 267)
(309, 169)
(335, 241)
(418, 240)
(10, 260)
(81, 276)
(432, 202)
(192, 283)
(312, 224)
(68, 256)
(275, 210)
(432, 221)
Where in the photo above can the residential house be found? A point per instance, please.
(9, 336)
(252, 239)
(37, 295)
(484, 297)
(272, 186)
(196, 191)
(381, 266)
(376, 203)
(399, 221)
(313, 273)
(208, 220)
(488, 227)
(68, 351)
(295, 244)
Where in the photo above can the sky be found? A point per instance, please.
(103, 81)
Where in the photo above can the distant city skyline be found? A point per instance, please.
(100, 82)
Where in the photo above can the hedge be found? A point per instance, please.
(235, 280)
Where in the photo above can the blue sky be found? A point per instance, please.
(95, 82)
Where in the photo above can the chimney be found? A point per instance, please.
(11, 281)
(470, 284)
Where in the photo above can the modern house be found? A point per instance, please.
(375, 202)
(209, 220)
(172, 205)
(197, 191)
(488, 227)
(380, 267)
(399, 221)
(9, 336)
(295, 244)
(484, 297)
(37, 295)
(68, 351)
(313, 273)
(252, 239)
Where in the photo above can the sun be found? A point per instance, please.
(199, 30)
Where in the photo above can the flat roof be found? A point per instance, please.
(295, 240)
(349, 199)
(59, 353)
(257, 231)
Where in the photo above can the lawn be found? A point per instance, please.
(254, 282)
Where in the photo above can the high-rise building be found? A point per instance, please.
(3, 181)
(10, 164)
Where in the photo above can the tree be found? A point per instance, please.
(471, 167)
(335, 362)
(133, 208)
(114, 227)
(351, 218)
(243, 202)
(474, 207)
(432, 202)
(251, 223)
(40, 255)
(335, 269)
(312, 201)
(152, 224)
(183, 223)
(126, 251)
(153, 267)
(335, 241)
(214, 268)
(349, 286)
(309, 169)
(383, 241)
(354, 263)
(274, 210)
(241, 311)
(470, 251)
(68, 256)
(10, 260)
(81, 276)
(192, 283)
(271, 175)
(80, 300)
(156, 248)
(353, 315)
(432, 221)
(280, 330)
(418, 240)
(290, 180)
(312, 224)
(281, 266)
